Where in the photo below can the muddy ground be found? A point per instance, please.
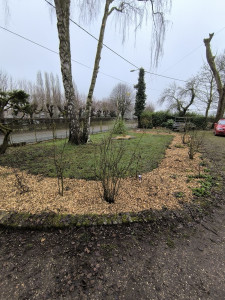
(136, 261)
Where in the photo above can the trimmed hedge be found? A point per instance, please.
(155, 119)
(165, 119)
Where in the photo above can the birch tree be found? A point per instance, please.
(133, 14)
(63, 20)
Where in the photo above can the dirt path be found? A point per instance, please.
(120, 262)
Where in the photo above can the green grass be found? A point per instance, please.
(80, 160)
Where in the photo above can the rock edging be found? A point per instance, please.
(46, 220)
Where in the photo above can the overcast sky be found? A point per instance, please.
(184, 52)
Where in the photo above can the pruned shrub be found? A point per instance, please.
(195, 142)
(111, 166)
(59, 162)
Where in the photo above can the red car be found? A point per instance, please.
(219, 128)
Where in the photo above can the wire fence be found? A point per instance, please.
(37, 130)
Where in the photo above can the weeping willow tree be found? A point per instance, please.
(129, 13)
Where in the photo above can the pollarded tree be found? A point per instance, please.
(179, 98)
(220, 83)
(4, 81)
(56, 94)
(206, 92)
(4, 84)
(49, 106)
(122, 97)
(140, 96)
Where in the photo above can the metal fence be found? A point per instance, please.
(36, 130)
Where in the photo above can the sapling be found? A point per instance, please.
(195, 142)
(111, 166)
(59, 162)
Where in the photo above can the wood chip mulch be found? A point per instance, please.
(165, 186)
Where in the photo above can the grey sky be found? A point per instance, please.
(184, 52)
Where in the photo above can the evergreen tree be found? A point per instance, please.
(140, 96)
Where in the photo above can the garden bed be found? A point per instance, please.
(167, 186)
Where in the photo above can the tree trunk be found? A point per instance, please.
(210, 99)
(220, 86)
(139, 121)
(185, 109)
(87, 116)
(6, 131)
(63, 14)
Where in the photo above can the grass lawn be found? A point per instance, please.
(80, 160)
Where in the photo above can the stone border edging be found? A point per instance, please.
(187, 215)
(47, 220)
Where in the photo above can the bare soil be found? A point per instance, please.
(165, 186)
(137, 261)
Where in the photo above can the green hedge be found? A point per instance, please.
(155, 119)
(165, 119)
(146, 119)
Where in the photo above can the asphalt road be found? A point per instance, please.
(44, 135)
(33, 137)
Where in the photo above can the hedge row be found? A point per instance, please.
(166, 119)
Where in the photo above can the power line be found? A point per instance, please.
(166, 76)
(55, 52)
(78, 25)
(188, 54)
(183, 58)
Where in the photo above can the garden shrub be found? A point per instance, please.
(160, 117)
(156, 119)
(146, 119)
(200, 121)
(119, 127)
(109, 167)
(168, 124)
